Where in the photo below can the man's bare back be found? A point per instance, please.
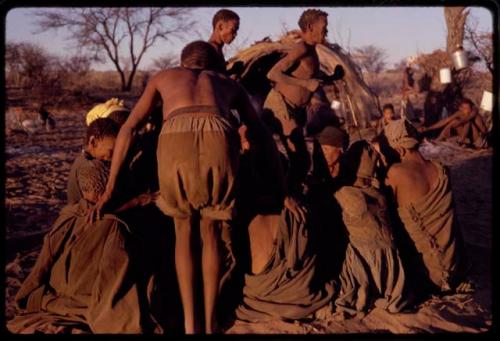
(412, 180)
(182, 87)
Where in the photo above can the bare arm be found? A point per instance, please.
(391, 181)
(124, 139)
(278, 72)
(444, 122)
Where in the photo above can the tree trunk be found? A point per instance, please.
(455, 23)
(131, 78)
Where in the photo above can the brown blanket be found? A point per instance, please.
(432, 226)
(285, 288)
(372, 268)
(83, 280)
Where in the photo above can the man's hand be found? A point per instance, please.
(313, 84)
(298, 211)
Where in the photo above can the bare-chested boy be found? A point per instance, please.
(198, 152)
(425, 205)
(225, 24)
(296, 75)
(296, 78)
(466, 122)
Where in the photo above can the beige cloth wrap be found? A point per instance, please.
(432, 225)
(372, 268)
(285, 288)
(401, 133)
(84, 279)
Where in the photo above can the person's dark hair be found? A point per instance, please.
(200, 55)
(224, 15)
(309, 17)
(101, 128)
(467, 101)
(388, 106)
(119, 116)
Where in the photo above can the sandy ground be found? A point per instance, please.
(36, 172)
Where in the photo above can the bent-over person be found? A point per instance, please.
(198, 151)
(372, 268)
(86, 278)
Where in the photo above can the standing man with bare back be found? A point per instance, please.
(198, 153)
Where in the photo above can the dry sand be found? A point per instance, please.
(36, 173)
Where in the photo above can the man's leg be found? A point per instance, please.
(446, 132)
(463, 131)
(184, 264)
(211, 259)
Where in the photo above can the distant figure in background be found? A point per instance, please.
(388, 115)
(407, 110)
(466, 123)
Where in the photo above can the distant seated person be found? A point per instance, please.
(85, 279)
(466, 123)
(98, 150)
(388, 115)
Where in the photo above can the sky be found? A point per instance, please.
(400, 31)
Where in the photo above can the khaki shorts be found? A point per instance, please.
(198, 156)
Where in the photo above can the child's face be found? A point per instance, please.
(388, 115)
(332, 156)
(101, 149)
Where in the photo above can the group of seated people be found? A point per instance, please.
(466, 124)
(179, 209)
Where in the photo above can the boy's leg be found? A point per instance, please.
(463, 131)
(184, 265)
(211, 259)
(446, 132)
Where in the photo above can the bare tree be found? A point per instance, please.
(371, 58)
(29, 65)
(480, 43)
(118, 32)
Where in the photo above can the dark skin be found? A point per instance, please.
(411, 179)
(296, 75)
(180, 87)
(466, 120)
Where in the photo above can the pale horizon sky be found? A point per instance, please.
(400, 31)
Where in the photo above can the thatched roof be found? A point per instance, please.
(258, 59)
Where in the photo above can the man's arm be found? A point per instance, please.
(391, 181)
(278, 72)
(124, 138)
(442, 123)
